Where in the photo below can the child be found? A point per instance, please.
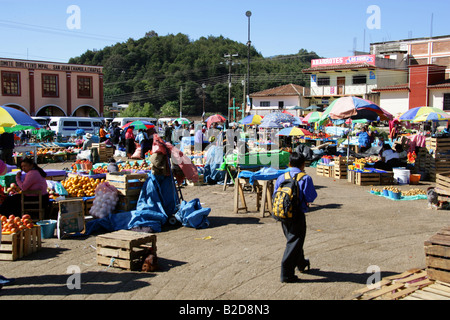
(112, 166)
(295, 229)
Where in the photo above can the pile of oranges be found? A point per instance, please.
(81, 186)
(14, 224)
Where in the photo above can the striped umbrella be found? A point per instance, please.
(251, 119)
(414, 113)
(10, 117)
(312, 117)
(432, 116)
(293, 131)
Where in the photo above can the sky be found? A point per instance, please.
(39, 30)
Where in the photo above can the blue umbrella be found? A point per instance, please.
(270, 124)
(278, 117)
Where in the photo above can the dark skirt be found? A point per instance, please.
(130, 146)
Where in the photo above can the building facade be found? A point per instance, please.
(51, 89)
(357, 76)
(287, 97)
(418, 51)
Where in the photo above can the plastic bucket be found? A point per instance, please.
(386, 193)
(414, 178)
(401, 175)
(47, 228)
(395, 195)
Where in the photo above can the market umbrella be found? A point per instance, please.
(298, 121)
(313, 107)
(312, 117)
(293, 131)
(271, 124)
(182, 121)
(215, 118)
(287, 112)
(278, 117)
(432, 116)
(10, 117)
(355, 108)
(139, 124)
(414, 113)
(16, 128)
(251, 119)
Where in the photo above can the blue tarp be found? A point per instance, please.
(191, 214)
(214, 159)
(267, 173)
(157, 202)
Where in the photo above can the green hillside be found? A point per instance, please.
(150, 71)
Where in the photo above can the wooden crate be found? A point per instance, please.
(340, 171)
(104, 152)
(20, 244)
(367, 179)
(443, 185)
(127, 203)
(387, 178)
(343, 160)
(124, 249)
(351, 175)
(127, 184)
(437, 255)
(327, 171)
(319, 169)
(438, 144)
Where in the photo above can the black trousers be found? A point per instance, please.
(295, 233)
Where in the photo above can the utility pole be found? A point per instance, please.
(248, 14)
(181, 102)
(230, 62)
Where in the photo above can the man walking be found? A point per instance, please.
(294, 228)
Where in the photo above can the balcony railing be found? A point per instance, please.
(356, 89)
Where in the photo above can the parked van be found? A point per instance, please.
(123, 121)
(43, 121)
(67, 126)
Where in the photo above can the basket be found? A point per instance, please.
(414, 178)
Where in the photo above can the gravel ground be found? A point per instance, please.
(238, 256)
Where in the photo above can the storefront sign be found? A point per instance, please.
(37, 65)
(369, 59)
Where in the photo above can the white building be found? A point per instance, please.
(287, 97)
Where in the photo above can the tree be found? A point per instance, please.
(170, 109)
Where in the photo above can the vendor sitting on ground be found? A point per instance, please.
(112, 166)
(34, 180)
(389, 159)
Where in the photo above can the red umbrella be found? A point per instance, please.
(215, 118)
(284, 111)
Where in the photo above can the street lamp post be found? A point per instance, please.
(249, 44)
(203, 114)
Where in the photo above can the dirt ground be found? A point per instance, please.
(238, 256)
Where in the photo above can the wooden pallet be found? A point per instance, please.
(20, 244)
(367, 179)
(124, 249)
(127, 184)
(340, 171)
(437, 255)
(395, 287)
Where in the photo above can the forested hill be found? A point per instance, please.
(150, 71)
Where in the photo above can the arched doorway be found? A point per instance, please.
(50, 111)
(85, 111)
(17, 107)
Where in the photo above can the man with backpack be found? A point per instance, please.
(294, 190)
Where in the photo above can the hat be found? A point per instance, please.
(88, 135)
(3, 168)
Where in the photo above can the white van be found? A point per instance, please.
(123, 121)
(67, 126)
(43, 121)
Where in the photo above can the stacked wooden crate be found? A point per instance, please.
(341, 167)
(20, 244)
(104, 152)
(437, 255)
(367, 178)
(443, 186)
(325, 170)
(438, 156)
(129, 186)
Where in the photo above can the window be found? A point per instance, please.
(446, 101)
(85, 124)
(360, 79)
(50, 85)
(264, 104)
(70, 124)
(323, 81)
(10, 83)
(84, 87)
